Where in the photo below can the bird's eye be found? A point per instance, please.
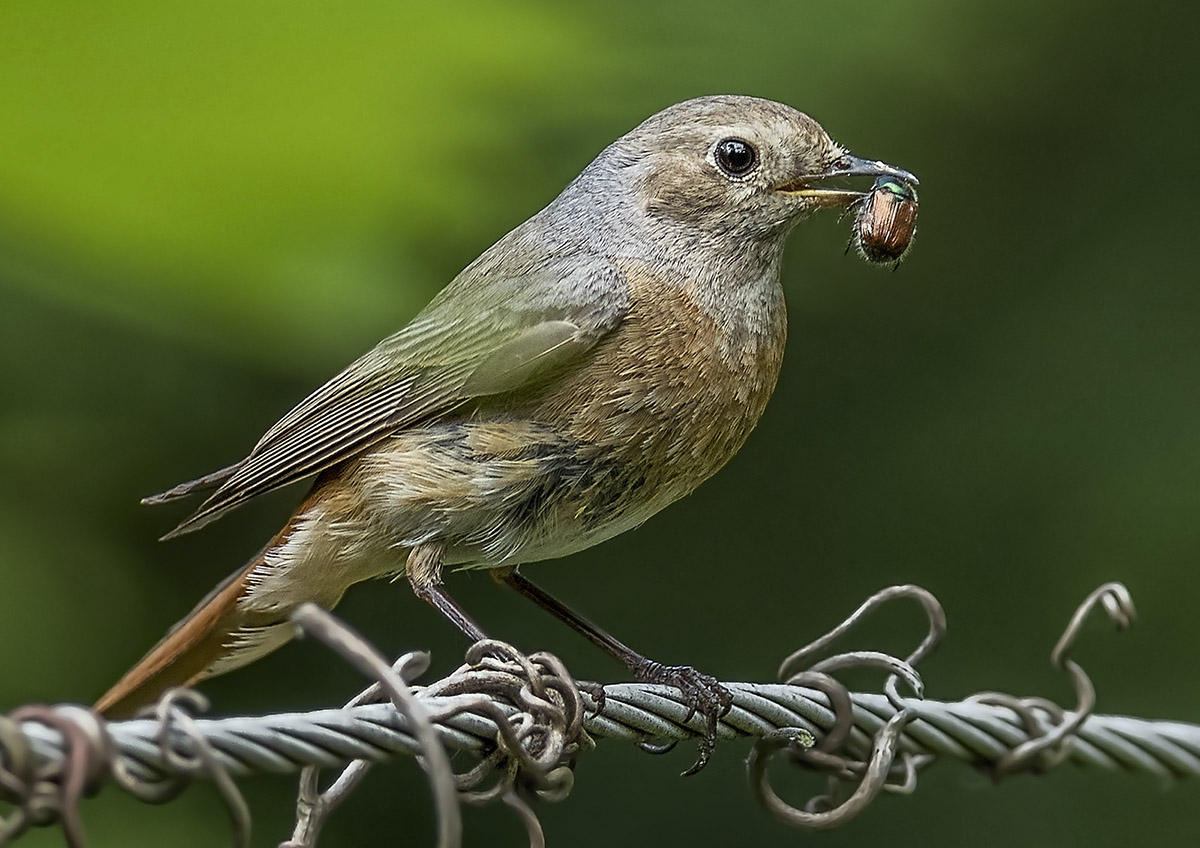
(736, 157)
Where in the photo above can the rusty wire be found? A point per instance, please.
(526, 721)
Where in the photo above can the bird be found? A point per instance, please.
(596, 364)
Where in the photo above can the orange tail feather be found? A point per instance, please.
(230, 628)
(184, 654)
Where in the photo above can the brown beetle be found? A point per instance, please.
(885, 221)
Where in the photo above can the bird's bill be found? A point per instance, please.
(844, 166)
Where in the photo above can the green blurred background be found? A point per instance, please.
(208, 208)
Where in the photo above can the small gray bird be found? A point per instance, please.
(596, 364)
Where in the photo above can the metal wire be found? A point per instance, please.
(963, 730)
(526, 721)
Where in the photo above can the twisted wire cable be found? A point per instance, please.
(964, 730)
(526, 721)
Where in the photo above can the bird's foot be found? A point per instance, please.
(702, 694)
(596, 691)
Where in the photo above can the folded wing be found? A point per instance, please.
(479, 337)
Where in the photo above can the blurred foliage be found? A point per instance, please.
(208, 208)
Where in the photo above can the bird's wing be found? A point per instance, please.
(480, 336)
(207, 483)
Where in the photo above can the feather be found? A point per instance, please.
(471, 341)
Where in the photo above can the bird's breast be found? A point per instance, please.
(673, 393)
(657, 407)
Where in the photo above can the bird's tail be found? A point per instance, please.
(247, 615)
(189, 650)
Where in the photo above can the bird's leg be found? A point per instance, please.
(702, 693)
(424, 570)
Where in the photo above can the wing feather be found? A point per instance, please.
(471, 341)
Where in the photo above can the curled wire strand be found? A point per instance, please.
(880, 771)
(1047, 746)
(1049, 728)
(531, 742)
(800, 660)
(17, 766)
(187, 753)
(314, 806)
(49, 792)
(315, 621)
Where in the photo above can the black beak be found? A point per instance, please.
(844, 166)
(852, 166)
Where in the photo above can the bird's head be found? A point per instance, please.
(738, 166)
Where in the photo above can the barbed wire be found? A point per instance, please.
(526, 722)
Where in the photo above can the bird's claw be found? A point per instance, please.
(596, 691)
(702, 694)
